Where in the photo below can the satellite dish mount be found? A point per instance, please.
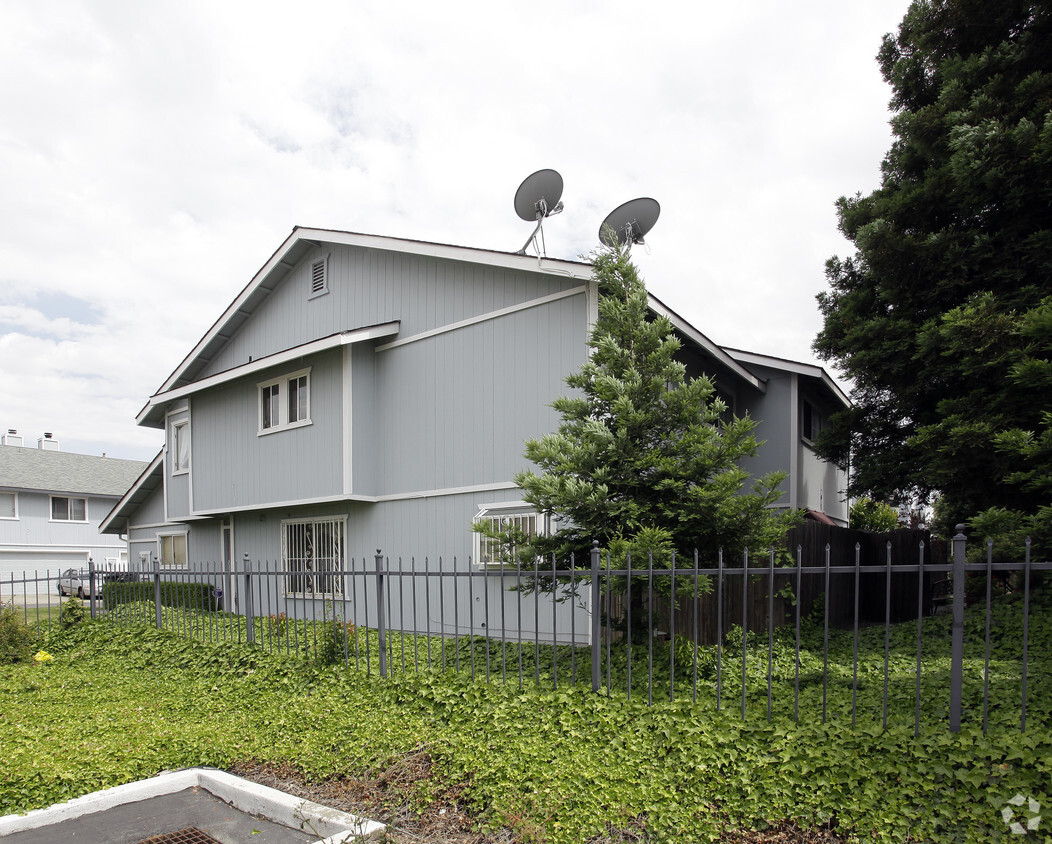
(538, 197)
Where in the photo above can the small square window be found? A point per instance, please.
(8, 505)
(68, 509)
(492, 552)
(173, 550)
(294, 411)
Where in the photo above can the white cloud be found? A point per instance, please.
(154, 155)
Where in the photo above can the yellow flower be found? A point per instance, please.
(43, 656)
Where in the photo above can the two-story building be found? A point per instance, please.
(52, 503)
(366, 392)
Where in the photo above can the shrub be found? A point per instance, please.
(71, 613)
(15, 636)
(173, 594)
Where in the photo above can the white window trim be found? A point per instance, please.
(160, 555)
(501, 510)
(341, 522)
(51, 509)
(176, 469)
(283, 407)
(14, 518)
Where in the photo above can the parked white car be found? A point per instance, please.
(76, 582)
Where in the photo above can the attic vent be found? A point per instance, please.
(318, 280)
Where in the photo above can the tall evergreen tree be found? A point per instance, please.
(645, 458)
(933, 318)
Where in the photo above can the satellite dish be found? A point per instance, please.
(537, 198)
(629, 223)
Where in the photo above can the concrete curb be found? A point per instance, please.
(333, 826)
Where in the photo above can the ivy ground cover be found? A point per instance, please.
(115, 704)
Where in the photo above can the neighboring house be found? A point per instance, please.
(51, 505)
(368, 392)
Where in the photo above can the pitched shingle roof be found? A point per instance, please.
(62, 471)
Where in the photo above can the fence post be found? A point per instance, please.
(381, 623)
(960, 542)
(91, 586)
(596, 604)
(250, 624)
(157, 592)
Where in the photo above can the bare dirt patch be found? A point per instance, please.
(447, 819)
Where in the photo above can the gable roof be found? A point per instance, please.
(44, 470)
(808, 370)
(302, 240)
(134, 496)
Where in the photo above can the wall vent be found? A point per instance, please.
(319, 283)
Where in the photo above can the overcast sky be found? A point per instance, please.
(153, 156)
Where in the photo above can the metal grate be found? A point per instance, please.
(190, 835)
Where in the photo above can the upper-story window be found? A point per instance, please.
(284, 402)
(181, 447)
(69, 509)
(812, 421)
(8, 505)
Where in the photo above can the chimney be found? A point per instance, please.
(12, 437)
(46, 443)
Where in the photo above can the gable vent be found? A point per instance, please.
(317, 277)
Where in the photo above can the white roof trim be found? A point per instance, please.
(808, 369)
(718, 352)
(357, 335)
(134, 488)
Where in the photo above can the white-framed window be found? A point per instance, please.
(171, 550)
(284, 402)
(491, 552)
(811, 423)
(65, 509)
(8, 505)
(181, 446)
(319, 277)
(312, 554)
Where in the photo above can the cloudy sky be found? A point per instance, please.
(153, 156)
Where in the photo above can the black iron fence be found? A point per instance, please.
(785, 637)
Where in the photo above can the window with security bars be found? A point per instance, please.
(491, 551)
(312, 553)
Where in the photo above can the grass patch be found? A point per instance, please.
(560, 765)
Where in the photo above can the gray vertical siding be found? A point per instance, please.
(455, 409)
(236, 467)
(369, 286)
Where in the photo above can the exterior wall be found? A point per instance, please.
(371, 286)
(822, 486)
(772, 411)
(408, 532)
(454, 410)
(33, 542)
(148, 522)
(238, 467)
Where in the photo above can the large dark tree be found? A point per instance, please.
(937, 317)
